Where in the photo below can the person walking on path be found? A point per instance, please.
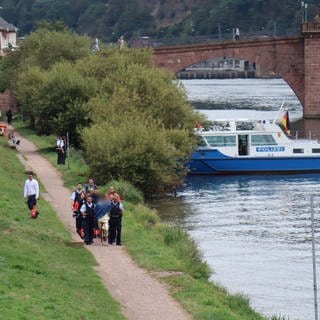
(31, 193)
(102, 210)
(115, 221)
(60, 146)
(87, 211)
(77, 200)
(9, 116)
(90, 186)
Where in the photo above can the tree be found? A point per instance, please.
(55, 99)
(143, 125)
(134, 85)
(48, 86)
(28, 91)
(51, 44)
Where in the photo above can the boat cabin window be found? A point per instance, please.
(317, 150)
(262, 140)
(298, 150)
(221, 141)
(201, 142)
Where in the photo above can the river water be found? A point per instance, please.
(254, 231)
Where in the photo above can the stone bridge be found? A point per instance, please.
(295, 59)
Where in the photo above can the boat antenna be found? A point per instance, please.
(282, 104)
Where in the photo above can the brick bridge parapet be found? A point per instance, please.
(295, 59)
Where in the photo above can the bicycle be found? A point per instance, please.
(103, 231)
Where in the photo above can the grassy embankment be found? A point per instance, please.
(161, 248)
(41, 276)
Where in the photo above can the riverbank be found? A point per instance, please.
(170, 255)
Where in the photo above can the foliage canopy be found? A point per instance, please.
(132, 120)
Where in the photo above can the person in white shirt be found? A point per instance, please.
(237, 34)
(60, 146)
(31, 191)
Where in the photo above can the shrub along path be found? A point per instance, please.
(141, 296)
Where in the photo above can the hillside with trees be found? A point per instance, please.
(161, 19)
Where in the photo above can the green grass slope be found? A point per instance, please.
(41, 276)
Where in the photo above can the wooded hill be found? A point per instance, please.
(165, 19)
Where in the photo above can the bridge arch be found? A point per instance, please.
(284, 57)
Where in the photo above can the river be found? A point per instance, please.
(253, 231)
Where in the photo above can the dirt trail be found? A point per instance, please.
(141, 296)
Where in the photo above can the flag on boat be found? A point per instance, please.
(285, 122)
(198, 125)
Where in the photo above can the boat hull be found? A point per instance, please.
(210, 162)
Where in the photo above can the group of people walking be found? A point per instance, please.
(90, 207)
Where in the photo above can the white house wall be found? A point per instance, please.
(6, 38)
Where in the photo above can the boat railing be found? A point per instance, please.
(232, 125)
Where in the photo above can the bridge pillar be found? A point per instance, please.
(311, 34)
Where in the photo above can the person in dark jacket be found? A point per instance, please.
(90, 186)
(77, 200)
(115, 221)
(87, 211)
(9, 116)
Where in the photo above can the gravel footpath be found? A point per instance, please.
(141, 296)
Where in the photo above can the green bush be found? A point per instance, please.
(135, 150)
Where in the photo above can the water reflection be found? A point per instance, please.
(255, 232)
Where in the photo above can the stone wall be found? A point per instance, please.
(312, 76)
(7, 101)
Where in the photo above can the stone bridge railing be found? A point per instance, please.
(310, 28)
